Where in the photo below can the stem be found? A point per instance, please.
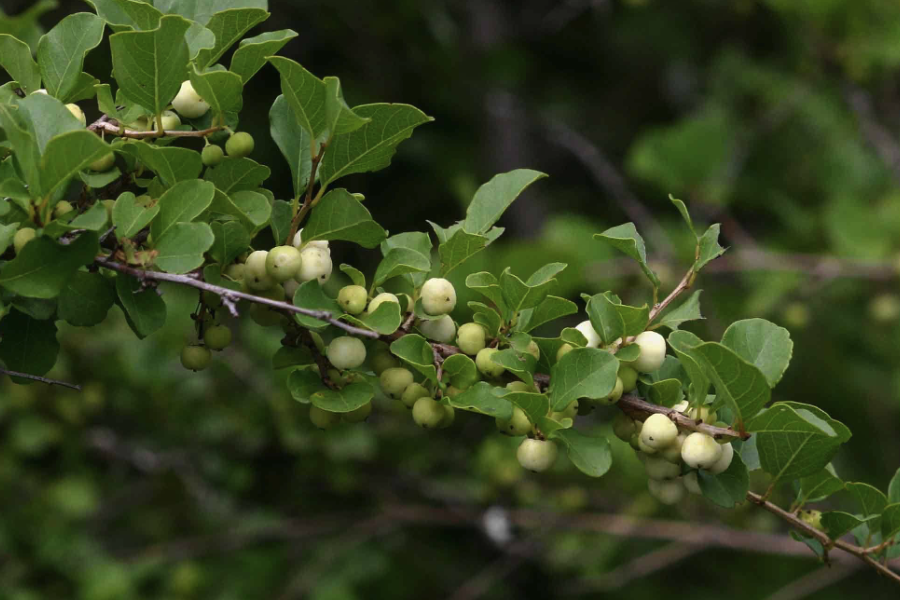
(46, 380)
(104, 125)
(635, 406)
(686, 282)
(308, 202)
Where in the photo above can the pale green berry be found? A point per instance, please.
(170, 121)
(239, 145)
(629, 378)
(290, 288)
(276, 292)
(614, 395)
(217, 337)
(672, 453)
(658, 432)
(212, 155)
(104, 163)
(623, 426)
(519, 386)
(352, 298)
(692, 483)
(643, 447)
(283, 263)
(315, 264)
(570, 410)
(188, 103)
(471, 338)
(394, 381)
(536, 455)
(449, 416)
(517, 424)
(427, 413)
(256, 276)
(653, 352)
(360, 414)
(323, 419)
(195, 358)
(438, 296)
(77, 113)
(413, 392)
(485, 364)
(700, 451)
(563, 350)
(346, 352)
(589, 333)
(659, 468)
(382, 297)
(62, 208)
(635, 442)
(441, 330)
(721, 465)
(298, 242)
(534, 350)
(667, 492)
(382, 360)
(22, 237)
(235, 272)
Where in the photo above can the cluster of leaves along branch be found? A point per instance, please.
(95, 216)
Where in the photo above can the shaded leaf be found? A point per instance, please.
(590, 455)
(494, 197)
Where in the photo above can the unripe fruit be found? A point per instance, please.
(721, 465)
(77, 113)
(589, 333)
(195, 358)
(283, 263)
(427, 413)
(658, 432)
(692, 483)
(22, 237)
(62, 208)
(534, 350)
(170, 121)
(298, 242)
(643, 447)
(536, 455)
(629, 378)
(235, 272)
(441, 330)
(104, 163)
(519, 386)
(449, 416)
(666, 492)
(290, 288)
(413, 392)
(563, 350)
(486, 366)
(701, 414)
(358, 415)
(382, 360)
(672, 453)
(346, 352)
(394, 381)
(659, 469)
(141, 124)
(382, 297)
(352, 298)
(884, 307)
(516, 425)
(614, 395)
(323, 419)
(315, 264)
(700, 451)
(571, 410)
(812, 518)
(212, 155)
(624, 426)
(471, 338)
(217, 337)
(653, 352)
(635, 442)
(276, 292)
(240, 144)
(256, 276)
(188, 103)
(438, 296)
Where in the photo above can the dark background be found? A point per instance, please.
(777, 118)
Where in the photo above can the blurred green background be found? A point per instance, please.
(778, 118)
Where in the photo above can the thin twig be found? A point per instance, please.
(682, 286)
(109, 127)
(46, 380)
(232, 295)
(634, 406)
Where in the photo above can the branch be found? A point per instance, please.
(110, 127)
(635, 406)
(46, 380)
(308, 201)
(686, 282)
(232, 295)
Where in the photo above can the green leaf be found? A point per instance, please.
(228, 26)
(43, 267)
(458, 249)
(171, 164)
(729, 488)
(280, 221)
(222, 90)
(762, 343)
(689, 310)
(416, 241)
(417, 352)
(252, 52)
(61, 52)
(494, 197)
(635, 318)
(487, 317)
(293, 141)
(182, 203)
(626, 239)
(356, 276)
(370, 147)
(251, 209)
(182, 247)
(399, 261)
(838, 523)
(25, 25)
(292, 356)
(46, 118)
(93, 219)
(310, 295)
(819, 486)
(590, 455)
(684, 213)
(27, 155)
(203, 11)
(632, 352)
(683, 343)
(237, 174)
(231, 239)
(305, 94)
(461, 370)
(150, 66)
(871, 500)
(86, 299)
(709, 248)
(385, 320)
(129, 111)
(519, 295)
(15, 58)
(582, 373)
(521, 364)
(7, 232)
(794, 441)
(605, 319)
(739, 384)
(144, 310)
(339, 118)
(27, 345)
(340, 216)
(480, 399)
(666, 392)
(552, 308)
(66, 155)
(347, 399)
(130, 216)
(890, 521)
(127, 14)
(536, 406)
(486, 284)
(894, 488)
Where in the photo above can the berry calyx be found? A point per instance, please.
(212, 155)
(428, 413)
(217, 337)
(283, 263)
(518, 424)
(441, 330)
(352, 298)
(346, 352)
(239, 145)
(471, 338)
(195, 358)
(653, 352)
(438, 296)
(536, 455)
(188, 102)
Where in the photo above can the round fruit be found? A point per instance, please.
(471, 338)
(614, 395)
(212, 155)
(290, 288)
(382, 297)
(394, 381)
(358, 415)
(323, 419)
(382, 360)
(534, 350)
(667, 492)
(623, 426)
(516, 425)
(22, 237)
(427, 413)
(104, 163)
(449, 416)
(188, 103)
(629, 378)
(217, 337)
(672, 453)
(77, 113)
(170, 121)
(346, 352)
(724, 461)
(563, 350)
(195, 358)
(486, 365)
(692, 483)
(643, 447)
(438, 296)
(658, 432)
(256, 276)
(62, 208)
(653, 352)
(700, 451)
(283, 263)
(315, 264)
(235, 272)
(352, 299)
(587, 330)
(536, 455)
(659, 469)
(413, 392)
(239, 145)
(571, 410)
(441, 330)
(298, 242)
(519, 386)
